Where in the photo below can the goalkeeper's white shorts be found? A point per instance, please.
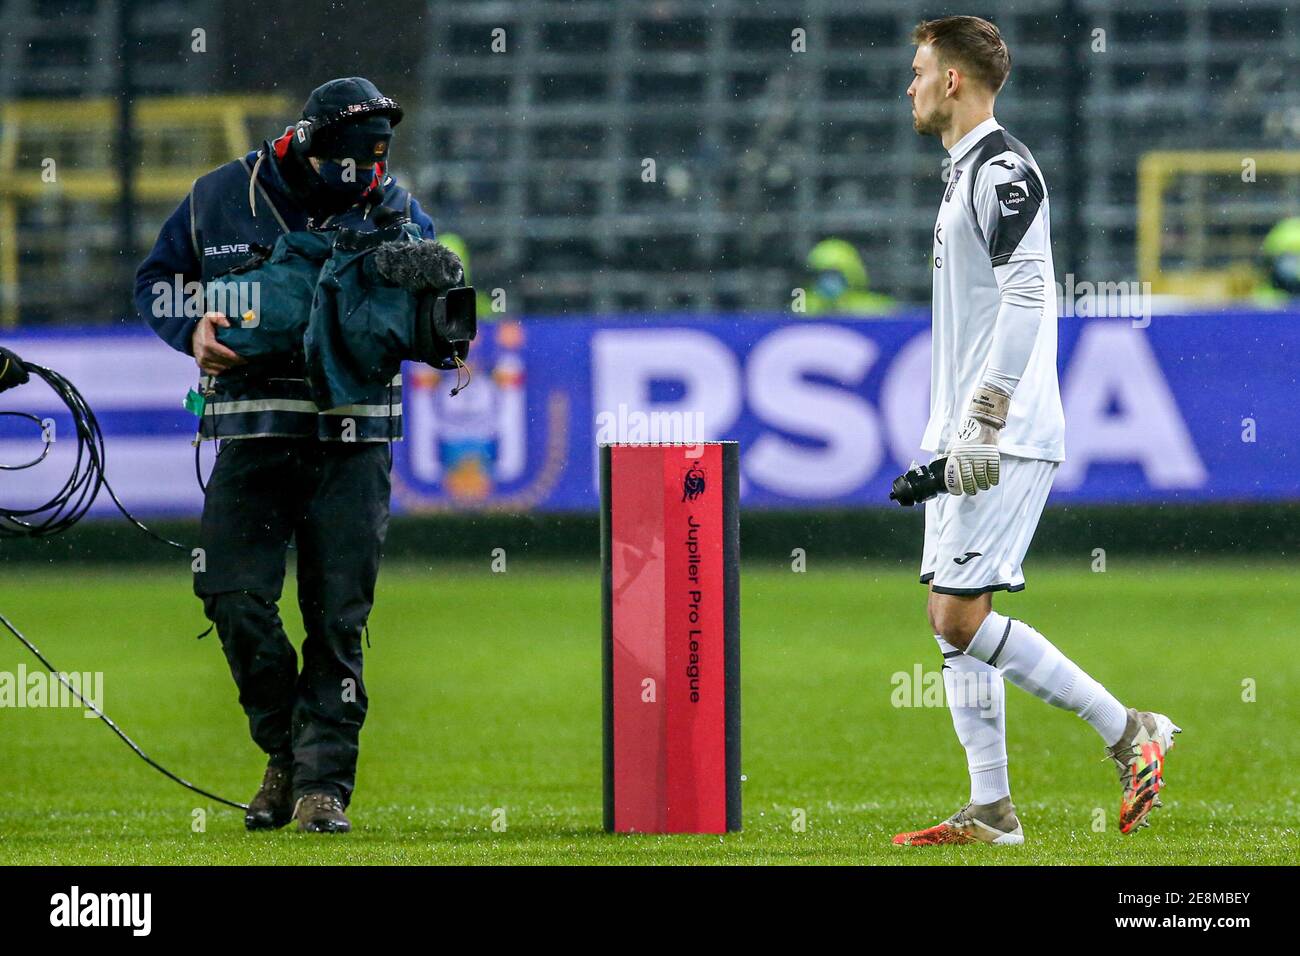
(975, 543)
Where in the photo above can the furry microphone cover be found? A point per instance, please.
(419, 266)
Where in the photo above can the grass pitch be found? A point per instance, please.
(485, 700)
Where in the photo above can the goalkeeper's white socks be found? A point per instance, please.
(1032, 663)
(976, 695)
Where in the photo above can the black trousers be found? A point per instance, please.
(332, 498)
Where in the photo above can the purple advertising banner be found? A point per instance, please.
(1196, 407)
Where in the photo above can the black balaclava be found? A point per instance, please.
(352, 126)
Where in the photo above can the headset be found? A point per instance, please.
(309, 127)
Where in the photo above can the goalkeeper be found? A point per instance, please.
(995, 411)
(285, 469)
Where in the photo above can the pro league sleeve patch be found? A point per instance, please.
(1018, 204)
(1012, 197)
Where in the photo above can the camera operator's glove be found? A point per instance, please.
(973, 462)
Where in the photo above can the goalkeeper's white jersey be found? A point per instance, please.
(994, 211)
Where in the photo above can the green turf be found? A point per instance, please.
(485, 694)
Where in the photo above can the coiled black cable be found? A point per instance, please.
(68, 506)
(73, 499)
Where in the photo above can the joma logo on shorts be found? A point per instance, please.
(967, 556)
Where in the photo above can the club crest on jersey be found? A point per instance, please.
(956, 175)
(1012, 196)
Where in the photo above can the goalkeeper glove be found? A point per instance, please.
(973, 462)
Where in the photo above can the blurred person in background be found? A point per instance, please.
(283, 470)
(1281, 252)
(482, 302)
(838, 282)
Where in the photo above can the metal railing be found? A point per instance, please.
(59, 184)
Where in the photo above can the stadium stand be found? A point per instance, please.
(764, 141)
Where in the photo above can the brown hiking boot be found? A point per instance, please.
(321, 813)
(272, 807)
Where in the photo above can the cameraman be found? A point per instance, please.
(283, 469)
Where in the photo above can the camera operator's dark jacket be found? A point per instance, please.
(215, 229)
